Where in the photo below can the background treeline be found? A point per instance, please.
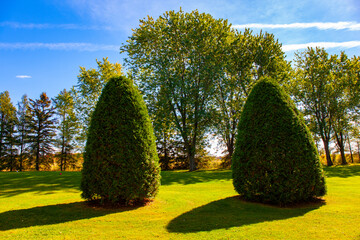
(195, 73)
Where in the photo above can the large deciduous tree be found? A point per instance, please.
(346, 97)
(312, 88)
(248, 58)
(87, 91)
(180, 55)
(42, 128)
(327, 88)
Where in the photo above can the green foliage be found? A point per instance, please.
(275, 158)
(8, 122)
(249, 57)
(327, 89)
(41, 128)
(87, 91)
(23, 132)
(67, 128)
(120, 160)
(176, 60)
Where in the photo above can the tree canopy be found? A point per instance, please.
(179, 56)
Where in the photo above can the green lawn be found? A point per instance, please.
(198, 205)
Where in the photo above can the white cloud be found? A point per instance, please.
(23, 76)
(352, 26)
(294, 47)
(18, 25)
(89, 47)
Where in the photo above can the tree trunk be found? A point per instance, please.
(37, 157)
(230, 149)
(192, 162)
(2, 134)
(340, 142)
(352, 158)
(191, 157)
(358, 143)
(21, 156)
(166, 155)
(327, 153)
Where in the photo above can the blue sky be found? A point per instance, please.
(43, 42)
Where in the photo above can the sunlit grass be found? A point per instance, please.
(197, 205)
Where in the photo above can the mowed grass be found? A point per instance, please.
(197, 205)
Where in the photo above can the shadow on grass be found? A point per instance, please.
(186, 177)
(14, 183)
(53, 214)
(342, 171)
(233, 212)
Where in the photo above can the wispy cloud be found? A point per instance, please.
(294, 47)
(352, 26)
(89, 47)
(18, 25)
(23, 76)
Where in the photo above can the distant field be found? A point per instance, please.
(197, 205)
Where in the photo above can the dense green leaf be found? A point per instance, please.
(120, 160)
(275, 158)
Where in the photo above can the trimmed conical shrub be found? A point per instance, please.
(121, 165)
(275, 159)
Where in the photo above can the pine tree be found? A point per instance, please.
(275, 157)
(120, 160)
(42, 128)
(7, 132)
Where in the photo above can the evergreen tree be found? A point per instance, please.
(275, 157)
(23, 131)
(7, 132)
(120, 160)
(41, 128)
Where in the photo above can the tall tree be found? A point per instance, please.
(42, 128)
(87, 91)
(67, 128)
(23, 130)
(346, 98)
(328, 88)
(312, 88)
(248, 58)
(7, 132)
(180, 54)
(167, 136)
